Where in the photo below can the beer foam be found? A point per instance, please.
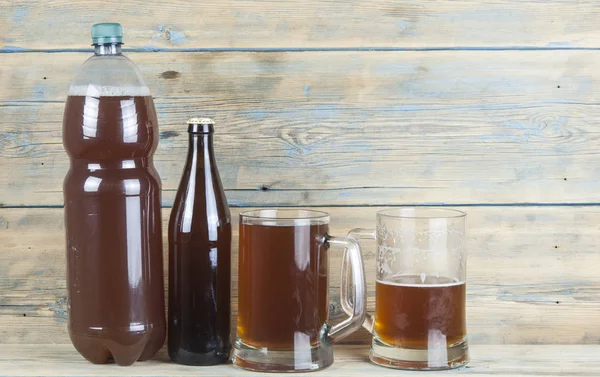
(452, 283)
(109, 91)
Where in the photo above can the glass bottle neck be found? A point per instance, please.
(201, 149)
(201, 141)
(107, 49)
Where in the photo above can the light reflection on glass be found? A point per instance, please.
(212, 214)
(127, 164)
(92, 184)
(132, 186)
(212, 255)
(137, 326)
(94, 167)
(133, 213)
(302, 351)
(437, 350)
(188, 210)
(129, 116)
(90, 117)
(301, 240)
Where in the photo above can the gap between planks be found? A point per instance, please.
(275, 205)
(16, 49)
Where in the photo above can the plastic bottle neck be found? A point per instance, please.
(107, 49)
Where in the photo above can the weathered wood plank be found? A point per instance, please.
(44, 24)
(323, 128)
(532, 275)
(406, 80)
(505, 360)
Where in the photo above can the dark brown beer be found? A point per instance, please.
(414, 314)
(283, 287)
(200, 258)
(113, 227)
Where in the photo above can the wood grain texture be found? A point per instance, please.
(41, 24)
(532, 274)
(338, 128)
(505, 360)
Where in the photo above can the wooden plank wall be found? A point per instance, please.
(349, 107)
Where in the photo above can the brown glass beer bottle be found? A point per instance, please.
(200, 258)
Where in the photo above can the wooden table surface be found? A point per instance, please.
(505, 360)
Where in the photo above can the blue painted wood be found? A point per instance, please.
(311, 23)
(339, 128)
(488, 106)
(532, 273)
(15, 49)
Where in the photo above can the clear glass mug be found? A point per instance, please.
(283, 290)
(419, 320)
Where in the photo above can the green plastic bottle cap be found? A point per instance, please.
(109, 32)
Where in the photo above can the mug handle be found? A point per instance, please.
(352, 266)
(347, 305)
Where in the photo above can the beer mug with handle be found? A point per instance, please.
(419, 320)
(283, 308)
